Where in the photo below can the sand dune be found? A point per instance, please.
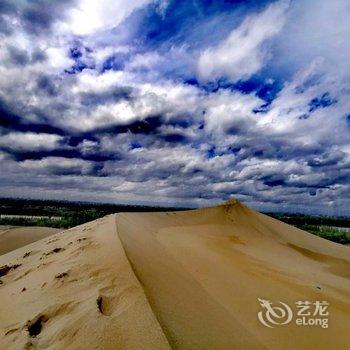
(182, 280)
(75, 290)
(13, 237)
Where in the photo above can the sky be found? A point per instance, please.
(181, 103)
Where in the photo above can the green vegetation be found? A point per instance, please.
(68, 220)
(61, 214)
(334, 234)
(300, 220)
(335, 229)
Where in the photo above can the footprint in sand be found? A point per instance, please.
(4, 270)
(53, 251)
(61, 275)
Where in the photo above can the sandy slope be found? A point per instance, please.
(13, 237)
(202, 272)
(80, 293)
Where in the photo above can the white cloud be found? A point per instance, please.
(242, 53)
(58, 165)
(165, 98)
(314, 28)
(29, 141)
(290, 114)
(226, 109)
(147, 60)
(90, 16)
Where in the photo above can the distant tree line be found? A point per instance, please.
(331, 228)
(71, 213)
(301, 219)
(76, 213)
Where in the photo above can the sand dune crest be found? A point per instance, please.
(185, 280)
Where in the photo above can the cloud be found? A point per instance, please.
(242, 53)
(34, 17)
(117, 112)
(89, 16)
(59, 166)
(230, 112)
(314, 29)
(29, 141)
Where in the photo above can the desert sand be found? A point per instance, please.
(13, 237)
(182, 280)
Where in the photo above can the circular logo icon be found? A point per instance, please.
(273, 315)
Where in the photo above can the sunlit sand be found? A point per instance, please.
(182, 280)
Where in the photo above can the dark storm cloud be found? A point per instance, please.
(64, 153)
(147, 126)
(11, 121)
(327, 159)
